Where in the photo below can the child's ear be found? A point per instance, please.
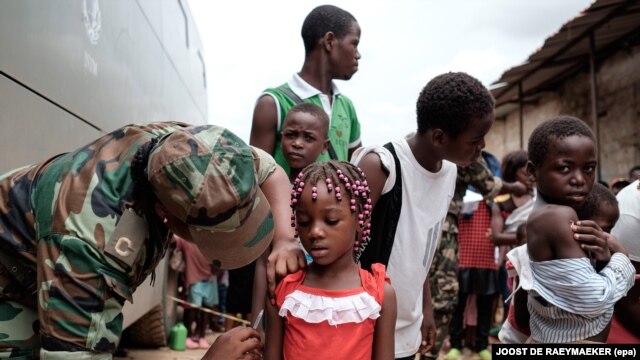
(438, 137)
(325, 146)
(531, 171)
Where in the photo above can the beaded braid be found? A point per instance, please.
(341, 178)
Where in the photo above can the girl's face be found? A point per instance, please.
(523, 177)
(567, 172)
(327, 227)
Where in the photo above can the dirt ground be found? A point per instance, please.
(166, 353)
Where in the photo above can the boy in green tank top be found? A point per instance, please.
(331, 36)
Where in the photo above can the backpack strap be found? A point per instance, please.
(297, 100)
(293, 96)
(384, 220)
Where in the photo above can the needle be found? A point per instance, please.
(256, 321)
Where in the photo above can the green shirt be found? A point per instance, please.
(344, 129)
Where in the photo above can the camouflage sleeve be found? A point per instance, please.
(481, 178)
(265, 164)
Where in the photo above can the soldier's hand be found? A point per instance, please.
(239, 343)
(518, 188)
(285, 258)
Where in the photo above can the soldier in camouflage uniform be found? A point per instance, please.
(80, 231)
(443, 274)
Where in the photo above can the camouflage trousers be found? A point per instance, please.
(79, 304)
(443, 277)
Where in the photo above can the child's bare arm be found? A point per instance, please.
(264, 125)
(498, 237)
(274, 333)
(549, 234)
(383, 335)
(371, 165)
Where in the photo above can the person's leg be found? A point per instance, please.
(189, 319)
(209, 290)
(203, 320)
(504, 288)
(222, 307)
(456, 326)
(239, 293)
(470, 320)
(484, 321)
(196, 297)
(443, 277)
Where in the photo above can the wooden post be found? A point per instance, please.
(594, 100)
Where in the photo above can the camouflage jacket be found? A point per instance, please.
(480, 177)
(80, 195)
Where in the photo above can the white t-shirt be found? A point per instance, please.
(425, 201)
(627, 229)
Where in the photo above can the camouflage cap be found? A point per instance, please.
(206, 177)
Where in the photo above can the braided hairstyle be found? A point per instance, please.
(144, 199)
(348, 183)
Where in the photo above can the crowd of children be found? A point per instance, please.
(367, 230)
(371, 228)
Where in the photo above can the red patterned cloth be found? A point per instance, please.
(475, 249)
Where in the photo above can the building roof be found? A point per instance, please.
(612, 23)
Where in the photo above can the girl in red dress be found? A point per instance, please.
(333, 309)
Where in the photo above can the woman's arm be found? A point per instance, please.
(274, 332)
(383, 335)
(260, 287)
(497, 226)
(286, 255)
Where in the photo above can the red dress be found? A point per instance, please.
(330, 324)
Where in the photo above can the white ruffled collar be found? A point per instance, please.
(335, 310)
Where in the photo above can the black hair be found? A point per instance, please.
(511, 163)
(343, 179)
(599, 195)
(324, 19)
(619, 184)
(451, 102)
(144, 201)
(632, 170)
(557, 128)
(313, 110)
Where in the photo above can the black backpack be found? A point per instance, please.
(384, 221)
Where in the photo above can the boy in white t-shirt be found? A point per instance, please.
(412, 182)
